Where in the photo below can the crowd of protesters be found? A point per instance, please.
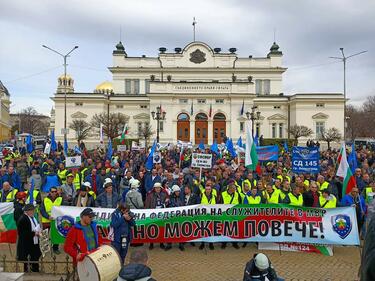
(103, 182)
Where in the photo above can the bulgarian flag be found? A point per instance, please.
(345, 172)
(8, 228)
(251, 157)
(124, 133)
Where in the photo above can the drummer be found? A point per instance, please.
(83, 237)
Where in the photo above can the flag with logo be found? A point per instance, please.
(251, 157)
(352, 159)
(109, 149)
(53, 141)
(344, 172)
(150, 157)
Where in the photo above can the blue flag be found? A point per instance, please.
(77, 150)
(256, 140)
(109, 150)
(286, 148)
(352, 159)
(29, 144)
(230, 148)
(66, 147)
(53, 141)
(242, 108)
(150, 157)
(214, 147)
(201, 145)
(31, 191)
(239, 142)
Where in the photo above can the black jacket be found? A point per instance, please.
(252, 272)
(25, 243)
(134, 272)
(367, 269)
(308, 199)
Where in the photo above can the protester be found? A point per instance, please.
(82, 237)
(69, 190)
(108, 199)
(259, 268)
(8, 193)
(122, 221)
(83, 197)
(137, 269)
(134, 197)
(19, 205)
(28, 230)
(356, 200)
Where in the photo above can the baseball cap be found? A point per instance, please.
(87, 212)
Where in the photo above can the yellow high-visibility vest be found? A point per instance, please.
(231, 199)
(48, 204)
(295, 201)
(327, 204)
(253, 200)
(205, 201)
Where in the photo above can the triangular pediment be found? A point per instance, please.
(79, 115)
(320, 115)
(277, 116)
(142, 116)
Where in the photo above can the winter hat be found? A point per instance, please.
(135, 184)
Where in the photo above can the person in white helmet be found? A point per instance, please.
(259, 268)
(133, 198)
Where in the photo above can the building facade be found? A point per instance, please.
(5, 126)
(205, 94)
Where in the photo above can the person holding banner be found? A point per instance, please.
(295, 197)
(311, 198)
(208, 198)
(327, 200)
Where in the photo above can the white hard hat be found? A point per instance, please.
(87, 184)
(261, 261)
(157, 184)
(176, 188)
(135, 183)
(106, 182)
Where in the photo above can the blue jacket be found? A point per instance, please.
(348, 200)
(99, 183)
(51, 180)
(14, 180)
(101, 200)
(149, 183)
(121, 227)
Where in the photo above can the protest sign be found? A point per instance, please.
(268, 153)
(121, 147)
(74, 161)
(225, 223)
(305, 160)
(200, 160)
(156, 157)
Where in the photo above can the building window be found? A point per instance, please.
(273, 130)
(242, 126)
(184, 101)
(281, 130)
(267, 86)
(147, 86)
(220, 101)
(139, 125)
(79, 104)
(132, 86)
(143, 106)
(319, 128)
(277, 107)
(258, 87)
(119, 106)
(161, 126)
(320, 105)
(257, 129)
(201, 101)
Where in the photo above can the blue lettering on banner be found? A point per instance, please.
(268, 153)
(305, 160)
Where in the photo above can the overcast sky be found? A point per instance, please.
(308, 32)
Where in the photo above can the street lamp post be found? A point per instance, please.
(344, 59)
(108, 94)
(253, 115)
(158, 116)
(65, 82)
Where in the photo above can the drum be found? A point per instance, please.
(102, 265)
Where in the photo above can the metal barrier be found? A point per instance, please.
(54, 267)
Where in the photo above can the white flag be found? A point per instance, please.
(101, 133)
(47, 148)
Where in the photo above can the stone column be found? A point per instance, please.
(192, 131)
(210, 132)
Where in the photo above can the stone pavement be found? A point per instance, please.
(228, 264)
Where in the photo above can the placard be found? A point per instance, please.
(201, 160)
(305, 160)
(121, 147)
(156, 159)
(74, 161)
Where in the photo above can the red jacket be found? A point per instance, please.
(75, 241)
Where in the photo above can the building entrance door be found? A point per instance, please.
(219, 127)
(183, 127)
(201, 128)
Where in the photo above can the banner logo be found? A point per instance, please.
(341, 225)
(63, 224)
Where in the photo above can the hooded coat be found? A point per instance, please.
(135, 272)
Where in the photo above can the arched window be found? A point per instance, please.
(201, 116)
(183, 117)
(219, 116)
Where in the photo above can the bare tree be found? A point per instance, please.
(32, 122)
(298, 131)
(330, 135)
(146, 132)
(81, 127)
(112, 126)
